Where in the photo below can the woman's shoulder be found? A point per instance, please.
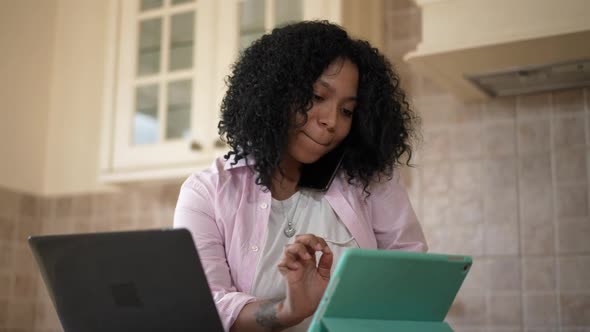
(220, 171)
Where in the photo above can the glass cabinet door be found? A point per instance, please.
(164, 58)
(256, 17)
(286, 11)
(163, 119)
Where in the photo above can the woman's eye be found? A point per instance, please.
(317, 98)
(347, 112)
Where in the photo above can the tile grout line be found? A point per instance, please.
(517, 121)
(586, 95)
(483, 123)
(554, 210)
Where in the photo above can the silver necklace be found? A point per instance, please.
(289, 230)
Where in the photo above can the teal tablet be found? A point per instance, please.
(385, 290)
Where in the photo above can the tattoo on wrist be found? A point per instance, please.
(266, 315)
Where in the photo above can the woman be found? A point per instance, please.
(267, 243)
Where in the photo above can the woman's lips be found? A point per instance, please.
(311, 138)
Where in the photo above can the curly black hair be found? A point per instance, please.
(274, 77)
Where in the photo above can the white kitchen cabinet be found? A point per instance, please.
(165, 80)
(161, 97)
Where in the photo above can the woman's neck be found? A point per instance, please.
(284, 184)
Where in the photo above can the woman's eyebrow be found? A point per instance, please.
(329, 87)
(326, 84)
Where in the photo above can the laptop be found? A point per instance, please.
(387, 290)
(148, 280)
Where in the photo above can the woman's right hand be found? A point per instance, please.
(306, 279)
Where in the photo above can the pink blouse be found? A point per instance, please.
(227, 214)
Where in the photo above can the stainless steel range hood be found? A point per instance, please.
(480, 49)
(533, 79)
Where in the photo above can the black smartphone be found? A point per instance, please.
(320, 174)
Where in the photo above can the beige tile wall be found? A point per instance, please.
(505, 181)
(24, 302)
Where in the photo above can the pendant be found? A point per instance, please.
(289, 231)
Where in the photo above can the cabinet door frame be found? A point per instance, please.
(123, 155)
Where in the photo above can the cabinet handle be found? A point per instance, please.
(196, 146)
(219, 143)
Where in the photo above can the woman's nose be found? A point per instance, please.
(328, 117)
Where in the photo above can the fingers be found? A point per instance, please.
(298, 251)
(292, 254)
(303, 250)
(325, 265)
(317, 243)
(313, 243)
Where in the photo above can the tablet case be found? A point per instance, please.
(384, 290)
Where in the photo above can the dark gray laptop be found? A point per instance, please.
(126, 281)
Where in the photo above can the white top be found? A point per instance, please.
(310, 213)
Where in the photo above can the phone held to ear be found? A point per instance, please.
(319, 175)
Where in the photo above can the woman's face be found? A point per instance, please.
(330, 117)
